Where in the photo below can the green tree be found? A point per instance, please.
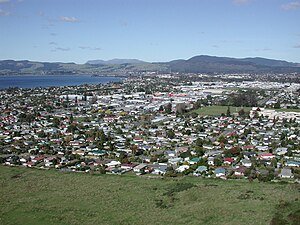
(218, 161)
(228, 111)
(168, 108)
(170, 134)
(242, 112)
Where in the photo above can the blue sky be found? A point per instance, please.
(150, 30)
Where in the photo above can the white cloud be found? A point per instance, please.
(291, 6)
(69, 19)
(62, 49)
(52, 43)
(4, 13)
(4, 1)
(84, 47)
(90, 48)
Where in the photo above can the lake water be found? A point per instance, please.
(52, 81)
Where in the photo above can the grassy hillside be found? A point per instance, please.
(31, 196)
(11, 67)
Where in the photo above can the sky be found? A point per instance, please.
(149, 30)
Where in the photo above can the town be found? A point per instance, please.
(158, 126)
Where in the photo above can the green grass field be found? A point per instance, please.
(288, 110)
(217, 110)
(30, 196)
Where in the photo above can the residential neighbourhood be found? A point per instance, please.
(153, 125)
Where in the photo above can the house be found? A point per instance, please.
(240, 171)
(228, 161)
(249, 155)
(29, 164)
(139, 169)
(281, 151)
(286, 173)
(262, 148)
(194, 160)
(117, 171)
(220, 172)
(97, 152)
(248, 147)
(246, 162)
(200, 170)
(37, 159)
(265, 156)
(160, 169)
(113, 164)
(175, 161)
(182, 168)
(210, 161)
(127, 167)
(170, 153)
(49, 161)
(180, 150)
(293, 163)
(24, 159)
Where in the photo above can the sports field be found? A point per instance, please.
(217, 110)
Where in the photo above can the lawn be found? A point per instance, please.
(288, 110)
(31, 196)
(217, 110)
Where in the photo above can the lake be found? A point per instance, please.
(52, 81)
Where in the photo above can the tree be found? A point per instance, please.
(242, 112)
(161, 108)
(199, 142)
(277, 105)
(84, 98)
(119, 131)
(71, 118)
(228, 111)
(102, 170)
(94, 99)
(197, 104)
(170, 172)
(168, 108)
(101, 135)
(217, 161)
(227, 154)
(274, 162)
(170, 134)
(181, 108)
(72, 128)
(122, 156)
(243, 98)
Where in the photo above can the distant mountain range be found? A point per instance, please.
(197, 64)
(115, 61)
(213, 64)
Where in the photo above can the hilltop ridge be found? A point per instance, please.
(196, 64)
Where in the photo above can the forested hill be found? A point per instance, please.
(197, 64)
(213, 64)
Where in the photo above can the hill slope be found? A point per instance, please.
(213, 64)
(197, 64)
(32, 197)
(115, 62)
